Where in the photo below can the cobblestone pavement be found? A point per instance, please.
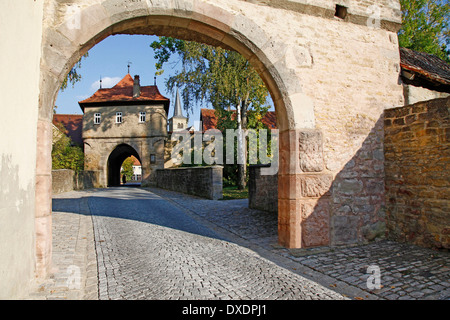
(204, 249)
(407, 272)
(148, 248)
(74, 274)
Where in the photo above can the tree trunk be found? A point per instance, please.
(242, 124)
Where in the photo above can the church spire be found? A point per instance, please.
(178, 121)
(178, 113)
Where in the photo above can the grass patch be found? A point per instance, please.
(230, 193)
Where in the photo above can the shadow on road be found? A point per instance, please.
(130, 202)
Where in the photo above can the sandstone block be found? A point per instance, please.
(315, 185)
(118, 11)
(315, 223)
(311, 151)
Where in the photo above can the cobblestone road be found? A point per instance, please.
(149, 248)
(166, 245)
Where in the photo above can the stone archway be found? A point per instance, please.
(318, 133)
(115, 160)
(64, 43)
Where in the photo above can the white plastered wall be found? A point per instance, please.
(20, 46)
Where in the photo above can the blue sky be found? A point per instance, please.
(108, 60)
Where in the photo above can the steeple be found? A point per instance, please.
(178, 121)
(177, 112)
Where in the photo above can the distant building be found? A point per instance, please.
(73, 126)
(125, 120)
(137, 170)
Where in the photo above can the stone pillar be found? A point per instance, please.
(216, 183)
(289, 223)
(147, 167)
(43, 205)
(303, 185)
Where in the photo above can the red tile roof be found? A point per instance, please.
(136, 162)
(122, 93)
(73, 123)
(209, 120)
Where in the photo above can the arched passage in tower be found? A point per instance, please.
(115, 160)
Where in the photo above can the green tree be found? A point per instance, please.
(73, 76)
(426, 27)
(127, 168)
(222, 78)
(66, 155)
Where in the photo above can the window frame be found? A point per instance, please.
(142, 116)
(119, 116)
(97, 118)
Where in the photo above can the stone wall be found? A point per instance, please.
(65, 180)
(199, 181)
(62, 180)
(262, 190)
(417, 152)
(98, 151)
(86, 180)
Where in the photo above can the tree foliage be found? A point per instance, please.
(65, 155)
(73, 76)
(127, 168)
(210, 74)
(222, 78)
(426, 27)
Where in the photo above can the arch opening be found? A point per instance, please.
(63, 46)
(115, 161)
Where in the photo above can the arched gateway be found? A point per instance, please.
(126, 114)
(331, 71)
(115, 160)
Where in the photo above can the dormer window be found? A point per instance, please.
(97, 118)
(118, 117)
(141, 117)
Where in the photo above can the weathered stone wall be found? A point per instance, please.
(262, 190)
(97, 152)
(344, 208)
(155, 123)
(65, 180)
(199, 181)
(62, 180)
(86, 180)
(417, 152)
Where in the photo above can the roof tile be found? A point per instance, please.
(123, 92)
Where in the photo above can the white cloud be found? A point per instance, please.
(107, 82)
(83, 97)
